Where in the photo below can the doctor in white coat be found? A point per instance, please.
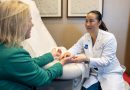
(98, 49)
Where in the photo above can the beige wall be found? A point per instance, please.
(66, 31)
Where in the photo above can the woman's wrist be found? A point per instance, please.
(62, 62)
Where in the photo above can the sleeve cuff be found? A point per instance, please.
(92, 62)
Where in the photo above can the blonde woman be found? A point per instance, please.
(18, 71)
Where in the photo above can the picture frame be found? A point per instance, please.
(50, 8)
(79, 8)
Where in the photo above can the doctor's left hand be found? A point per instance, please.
(56, 52)
(80, 58)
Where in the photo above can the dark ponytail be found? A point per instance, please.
(99, 18)
(103, 26)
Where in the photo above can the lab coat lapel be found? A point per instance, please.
(92, 50)
(90, 47)
(97, 46)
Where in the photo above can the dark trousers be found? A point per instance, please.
(95, 86)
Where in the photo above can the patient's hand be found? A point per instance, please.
(56, 52)
(66, 54)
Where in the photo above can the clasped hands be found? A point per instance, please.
(67, 57)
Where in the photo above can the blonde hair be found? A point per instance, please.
(13, 17)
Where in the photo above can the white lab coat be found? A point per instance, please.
(102, 56)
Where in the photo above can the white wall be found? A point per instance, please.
(116, 17)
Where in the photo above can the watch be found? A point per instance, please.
(87, 61)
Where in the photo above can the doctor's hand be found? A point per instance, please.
(66, 60)
(66, 54)
(80, 58)
(56, 52)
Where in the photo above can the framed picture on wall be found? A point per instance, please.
(79, 8)
(49, 8)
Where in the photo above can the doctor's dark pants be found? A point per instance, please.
(95, 86)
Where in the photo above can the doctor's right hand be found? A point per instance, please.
(80, 58)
